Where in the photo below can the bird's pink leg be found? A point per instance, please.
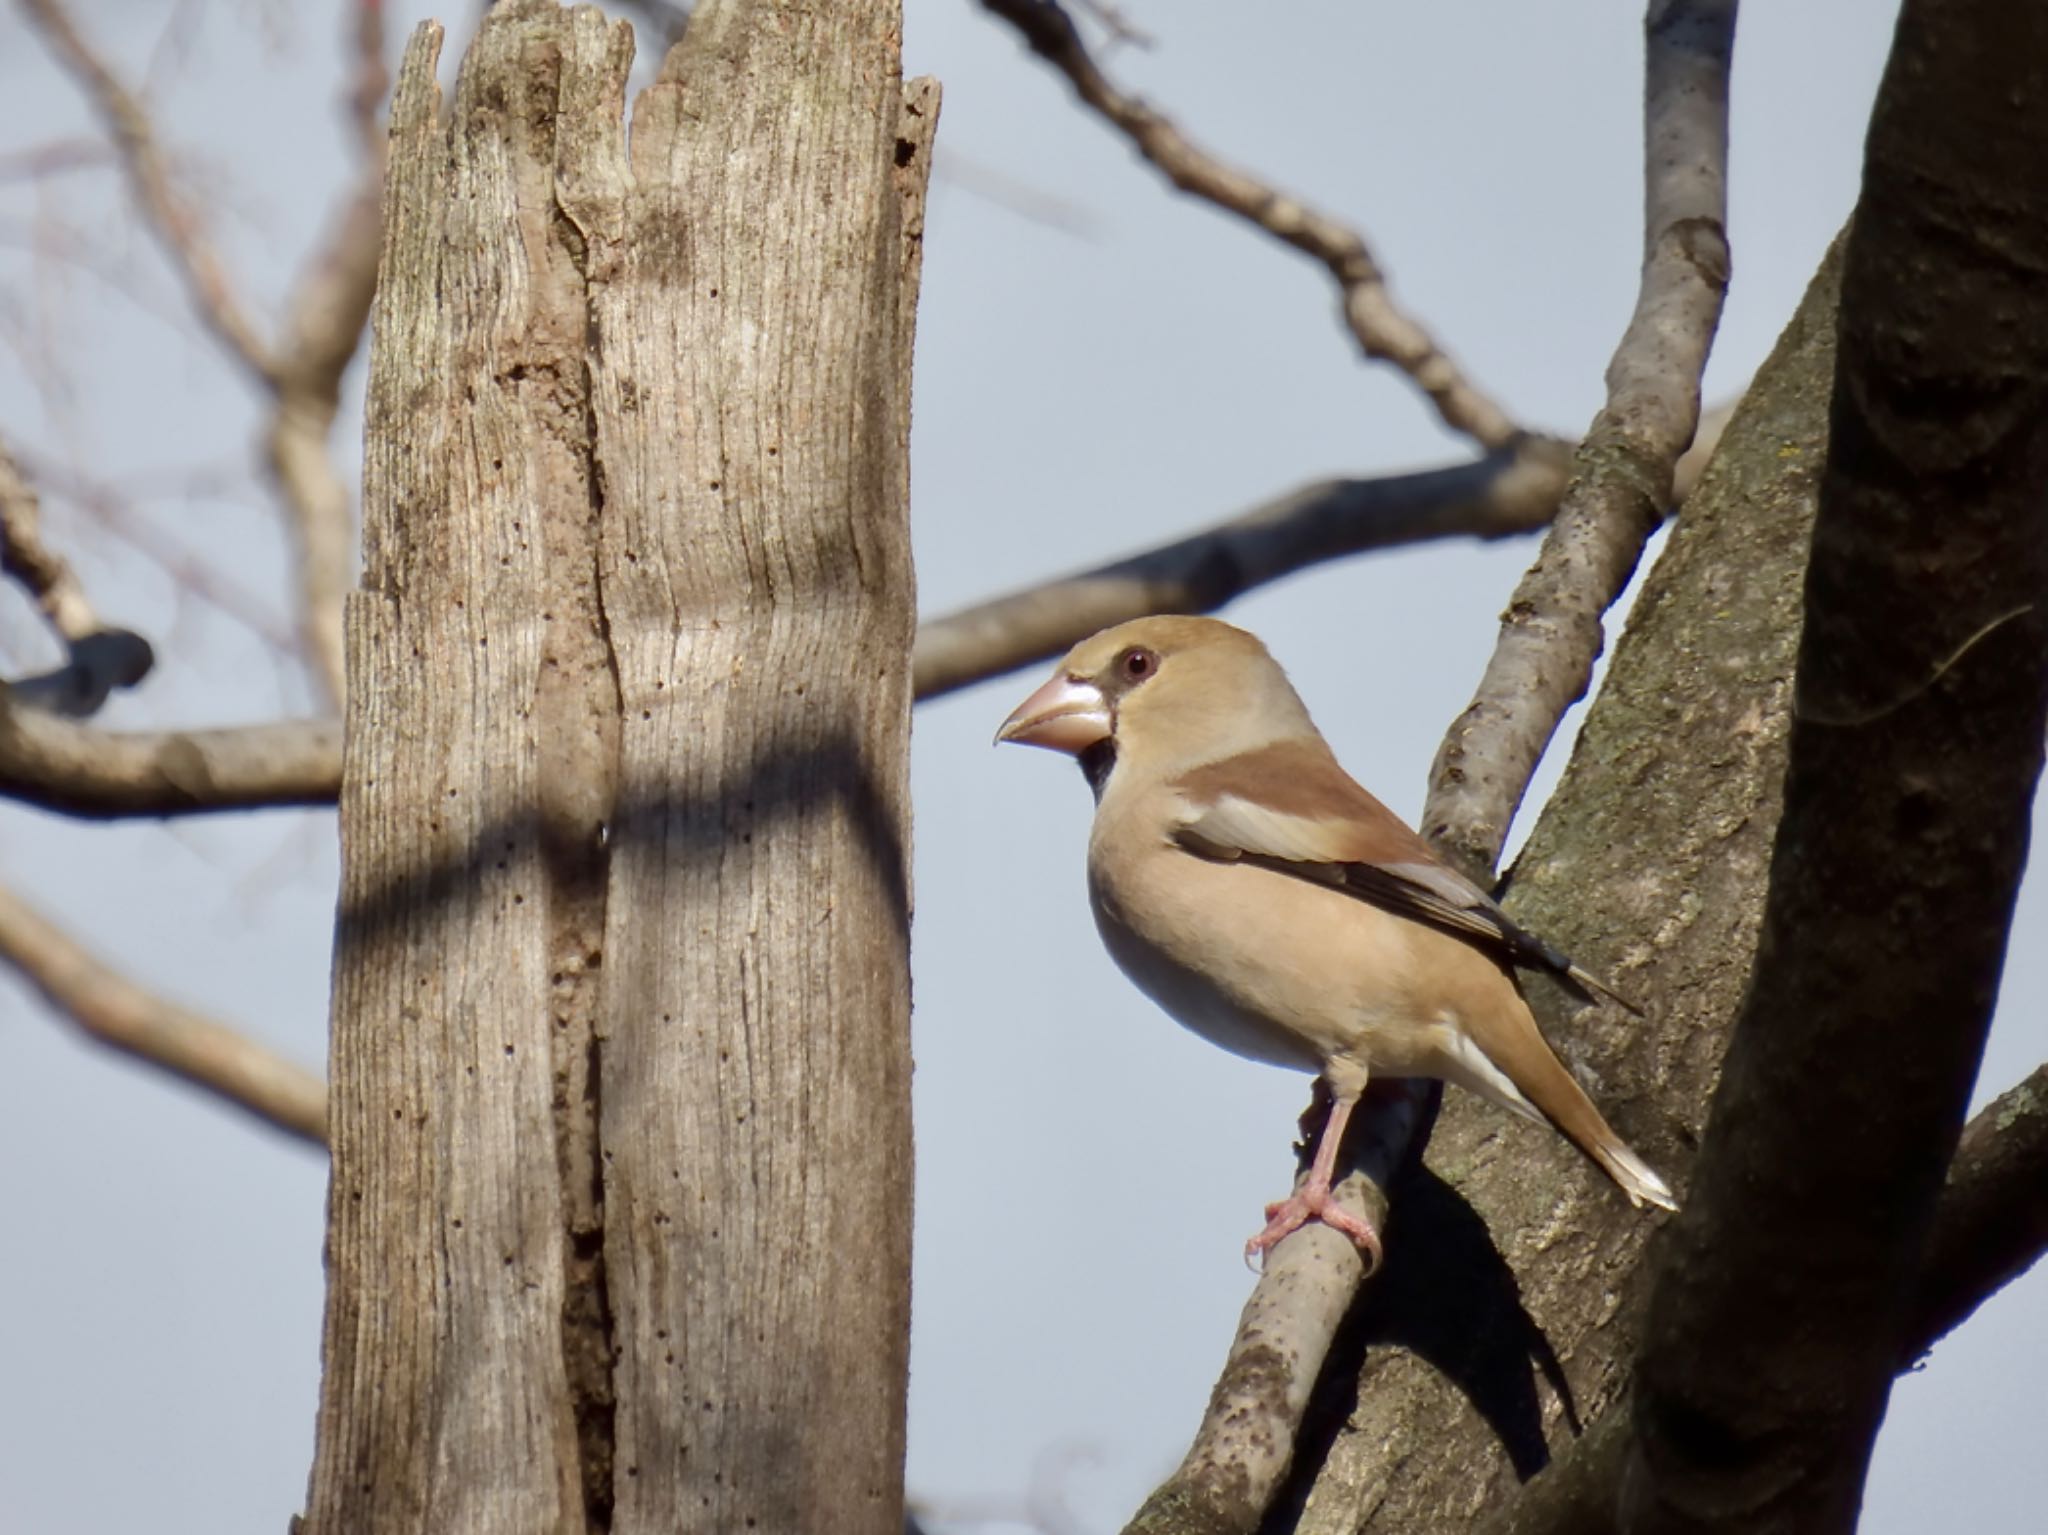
(1312, 1200)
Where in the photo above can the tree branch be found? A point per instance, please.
(1990, 1227)
(1652, 413)
(1622, 474)
(1498, 496)
(322, 330)
(96, 773)
(370, 82)
(1992, 1224)
(1118, 27)
(1384, 331)
(1788, 1282)
(42, 572)
(302, 374)
(1493, 497)
(54, 157)
(97, 659)
(183, 235)
(1245, 1443)
(120, 1014)
(82, 771)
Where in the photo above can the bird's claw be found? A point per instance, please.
(1286, 1216)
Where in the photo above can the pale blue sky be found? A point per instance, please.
(1086, 1172)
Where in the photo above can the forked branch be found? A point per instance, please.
(1622, 473)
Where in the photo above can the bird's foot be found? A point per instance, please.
(1307, 1203)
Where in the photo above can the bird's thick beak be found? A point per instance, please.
(1066, 715)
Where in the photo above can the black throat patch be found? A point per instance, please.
(1096, 762)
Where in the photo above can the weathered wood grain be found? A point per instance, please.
(755, 566)
(620, 1212)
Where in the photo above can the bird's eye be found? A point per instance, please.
(1137, 663)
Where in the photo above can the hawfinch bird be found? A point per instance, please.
(1248, 886)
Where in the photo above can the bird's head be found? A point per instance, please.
(1177, 692)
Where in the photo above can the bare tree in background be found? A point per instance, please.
(621, 988)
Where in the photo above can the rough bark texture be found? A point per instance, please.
(620, 1204)
(1992, 1225)
(1922, 697)
(1511, 1301)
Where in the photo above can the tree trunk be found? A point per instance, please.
(1786, 1288)
(619, 1221)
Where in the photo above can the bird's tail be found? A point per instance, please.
(1635, 1177)
(1518, 1052)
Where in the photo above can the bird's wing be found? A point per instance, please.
(1291, 807)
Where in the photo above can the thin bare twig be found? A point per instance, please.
(322, 329)
(1502, 494)
(45, 574)
(118, 1013)
(97, 659)
(53, 159)
(1014, 196)
(1497, 496)
(183, 235)
(1622, 476)
(371, 81)
(56, 244)
(1383, 330)
(111, 507)
(1119, 27)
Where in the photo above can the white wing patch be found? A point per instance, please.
(1232, 827)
